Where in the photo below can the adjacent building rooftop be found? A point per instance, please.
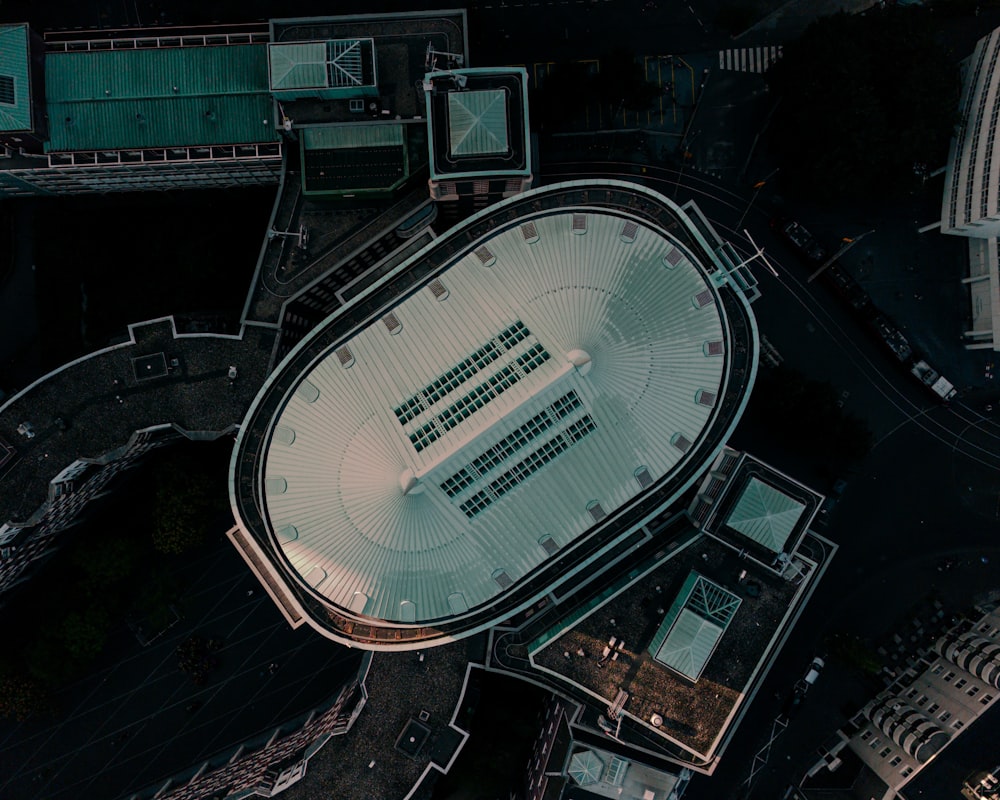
(158, 97)
(478, 123)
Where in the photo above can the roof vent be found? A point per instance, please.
(438, 289)
(643, 477)
(485, 256)
(392, 323)
(629, 230)
(656, 720)
(703, 298)
(579, 223)
(503, 580)
(359, 601)
(276, 485)
(705, 398)
(345, 357)
(672, 258)
(714, 348)
(596, 510)
(284, 434)
(307, 391)
(409, 483)
(549, 545)
(681, 442)
(316, 576)
(529, 232)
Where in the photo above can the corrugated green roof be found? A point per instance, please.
(765, 514)
(477, 122)
(14, 61)
(352, 136)
(165, 97)
(298, 65)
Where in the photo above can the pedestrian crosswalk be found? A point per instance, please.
(749, 59)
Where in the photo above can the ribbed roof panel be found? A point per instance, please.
(158, 97)
(765, 514)
(14, 62)
(377, 531)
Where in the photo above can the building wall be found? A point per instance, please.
(23, 547)
(61, 179)
(931, 703)
(971, 203)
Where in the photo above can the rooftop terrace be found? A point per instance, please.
(693, 713)
(401, 43)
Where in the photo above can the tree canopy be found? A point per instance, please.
(804, 416)
(863, 99)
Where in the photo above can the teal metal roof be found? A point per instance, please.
(765, 514)
(14, 63)
(353, 136)
(477, 122)
(164, 97)
(298, 65)
(693, 625)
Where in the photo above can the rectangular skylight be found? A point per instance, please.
(6, 90)
(485, 392)
(511, 444)
(461, 372)
(523, 470)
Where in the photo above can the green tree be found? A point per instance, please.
(187, 504)
(106, 562)
(20, 695)
(863, 99)
(804, 416)
(83, 632)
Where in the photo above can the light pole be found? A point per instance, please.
(301, 234)
(847, 245)
(685, 155)
(756, 190)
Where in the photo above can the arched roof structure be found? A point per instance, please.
(427, 469)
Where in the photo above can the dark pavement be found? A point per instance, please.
(136, 718)
(891, 541)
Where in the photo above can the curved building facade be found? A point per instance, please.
(493, 416)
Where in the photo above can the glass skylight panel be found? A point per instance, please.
(703, 298)
(438, 289)
(485, 256)
(6, 90)
(511, 444)
(523, 470)
(461, 372)
(466, 406)
(713, 602)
